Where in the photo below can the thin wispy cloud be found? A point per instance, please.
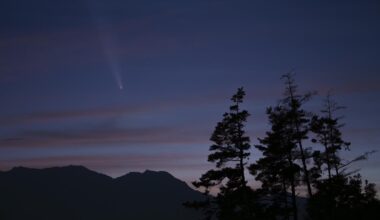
(126, 136)
(115, 165)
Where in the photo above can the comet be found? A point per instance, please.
(118, 79)
(112, 59)
(113, 62)
(109, 43)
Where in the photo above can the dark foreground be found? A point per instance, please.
(74, 193)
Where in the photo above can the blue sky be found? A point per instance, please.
(63, 64)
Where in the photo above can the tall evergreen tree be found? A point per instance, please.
(298, 123)
(342, 195)
(326, 129)
(277, 170)
(229, 153)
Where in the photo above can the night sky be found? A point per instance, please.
(122, 86)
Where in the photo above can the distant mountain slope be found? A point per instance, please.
(75, 192)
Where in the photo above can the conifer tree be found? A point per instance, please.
(277, 170)
(298, 123)
(327, 131)
(229, 153)
(342, 195)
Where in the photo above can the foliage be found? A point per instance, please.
(277, 170)
(333, 192)
(298, 123)
(341, 195)
(344, 197)
(229, 153)
(326, 129)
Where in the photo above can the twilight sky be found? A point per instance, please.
(123, 85)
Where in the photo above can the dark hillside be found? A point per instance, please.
(75, 192)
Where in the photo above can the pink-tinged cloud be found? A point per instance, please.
(345, 86)
(109, 112)
(116, 165)
(97, 137)
(42, 117)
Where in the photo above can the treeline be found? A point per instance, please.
(300, 152)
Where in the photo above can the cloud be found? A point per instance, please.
(104, 136)
(113, 111)
(346, 85)
(48, 116)
(115, 165)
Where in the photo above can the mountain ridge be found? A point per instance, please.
(76, 192)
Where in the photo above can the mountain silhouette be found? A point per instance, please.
(75, 192)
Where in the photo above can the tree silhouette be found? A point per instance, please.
(229, 153)
(283, 168)
(342, 195)
(298, 123)
(277, 170)
(327, 133)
